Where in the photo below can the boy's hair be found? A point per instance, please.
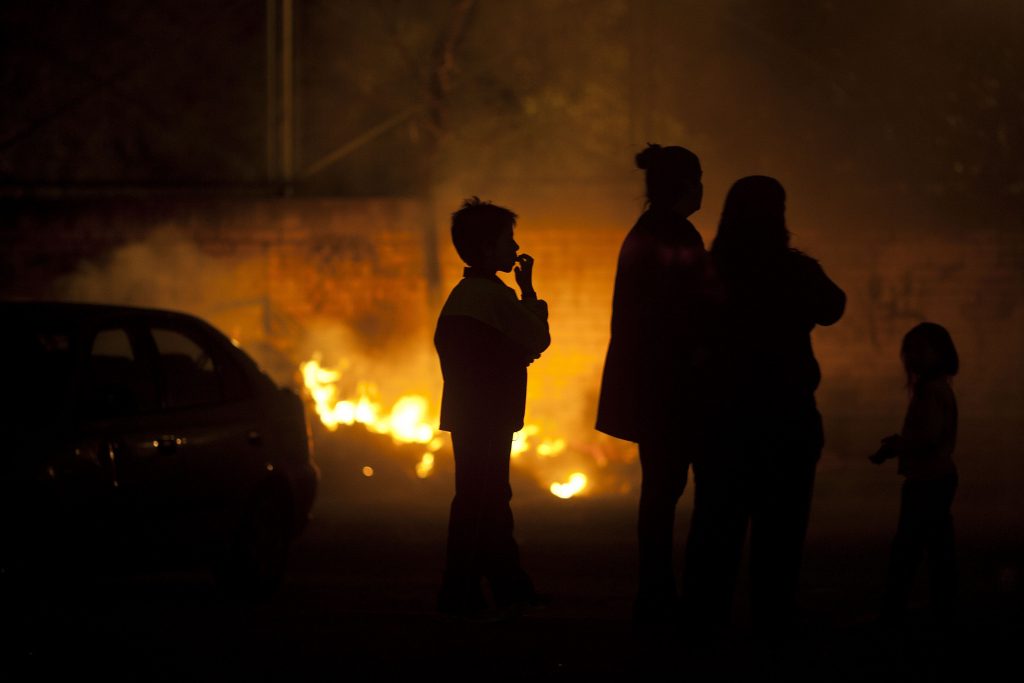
(928, 352)
(476, 227)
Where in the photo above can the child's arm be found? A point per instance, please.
(529, 326)
(524, 276)
(924, 430)
(524, 324)
(924, 436)
(888, 450)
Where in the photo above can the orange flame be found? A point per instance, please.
(411, 421)
(406, 422)
(577, 482)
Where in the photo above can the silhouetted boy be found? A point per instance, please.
(486, 337)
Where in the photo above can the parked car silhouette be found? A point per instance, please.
(141, 434)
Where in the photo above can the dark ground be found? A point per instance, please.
(358, 604)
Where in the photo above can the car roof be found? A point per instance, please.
(86, 315)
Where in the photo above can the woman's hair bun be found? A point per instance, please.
(645, 159)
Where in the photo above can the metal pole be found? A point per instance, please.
(287, 92)
(271, 130)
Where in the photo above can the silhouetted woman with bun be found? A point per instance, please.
(646, 389)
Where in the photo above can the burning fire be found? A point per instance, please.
(406, 422)
(410, 421)
(577, 482)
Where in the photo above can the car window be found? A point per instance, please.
(233, 378)
(187, 368)
(112, 344)
(116, 382)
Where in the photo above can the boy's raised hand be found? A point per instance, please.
(524, 275)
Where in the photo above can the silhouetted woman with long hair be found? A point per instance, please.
(646, 390)
(768, 432)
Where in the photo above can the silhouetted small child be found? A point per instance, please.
(486, 337)
(924, 449)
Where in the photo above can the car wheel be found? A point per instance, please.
(256, 554)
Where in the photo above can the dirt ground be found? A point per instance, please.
(358, 602)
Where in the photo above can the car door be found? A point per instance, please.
(120, 429)
(210, 425)
(51, 484)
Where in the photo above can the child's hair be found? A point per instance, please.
(476, 227)
(928, 352)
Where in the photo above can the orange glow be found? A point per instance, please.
(577, 482)
(521, 439)
(549, 448)
(411, 421)
(408, 421)
(425, 466)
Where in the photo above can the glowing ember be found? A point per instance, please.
(521, 439)
(577, 482)
(550, 448)
(425, 466)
